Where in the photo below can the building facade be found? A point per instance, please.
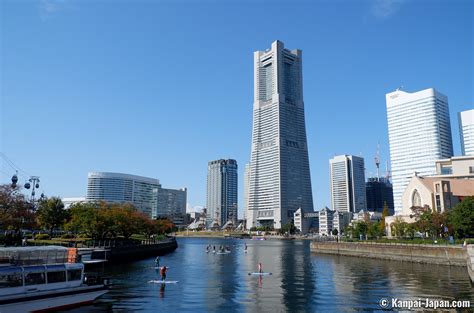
(419, 132)
(170, 203)
(279, 180)
(222, 191)
(456, 167)
(379, 193)
(466, 131)
(347, 175)
(122, 188)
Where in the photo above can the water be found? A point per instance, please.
(301, 282)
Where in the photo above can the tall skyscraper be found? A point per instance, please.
(347, 174)
(419, 132)
(280, 180)
(248, 220)
(222, 191)
(466, 130)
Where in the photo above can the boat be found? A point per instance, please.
(41, 279)
(258, 238)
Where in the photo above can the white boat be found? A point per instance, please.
(38, 279)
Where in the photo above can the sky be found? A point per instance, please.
(159, 88)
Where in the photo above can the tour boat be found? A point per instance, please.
(39, 279)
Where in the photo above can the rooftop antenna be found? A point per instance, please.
(399, 88)
(377, 161)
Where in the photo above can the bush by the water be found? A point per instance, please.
(42, 237)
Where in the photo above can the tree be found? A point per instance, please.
(385, 213)
(289, 228)
(461, 218)
(335, 232)
(51, 214)
(399, 227)
(360, 228)
(374, 230)
(16, 213)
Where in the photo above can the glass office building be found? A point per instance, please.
(419, 132)
(466, 131)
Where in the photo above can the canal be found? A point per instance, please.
(301, 281)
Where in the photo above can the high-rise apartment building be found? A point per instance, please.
(466, 131)
(222, 191)
(347, 175)
(419, 132)
(280, 180)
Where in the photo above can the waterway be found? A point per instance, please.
(301, 281)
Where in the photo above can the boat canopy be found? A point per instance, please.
(33, 255)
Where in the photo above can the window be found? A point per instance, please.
(471, 169)
(56, 277)
(416, 199)
(74, 275)
(34, 279)
(10, 279)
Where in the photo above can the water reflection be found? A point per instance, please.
(301, 281)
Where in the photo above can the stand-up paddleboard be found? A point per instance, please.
(223, 252)
(260, 274)
(159, 267)
(163, 282)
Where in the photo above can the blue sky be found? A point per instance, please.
(159, 88)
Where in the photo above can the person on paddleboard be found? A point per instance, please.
(157, 261)
(163, 271)
(260, 268)
(245, 247)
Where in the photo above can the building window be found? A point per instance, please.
(471, 169)
(416, 199)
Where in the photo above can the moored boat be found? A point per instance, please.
(38, 279)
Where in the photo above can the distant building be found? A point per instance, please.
(455, 167)
(222, 191)
(280, 181)
(326, 217)
(379, 193)
(419, 132)
(438, 193)
(466, 131)
(248, 220)
(306, 222)
(331, 219)
(120, 188)
(347, 174)
(170, 203)
(72, 201)
(144, 193)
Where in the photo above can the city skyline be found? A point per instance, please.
(70, 108)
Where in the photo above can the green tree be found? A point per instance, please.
(360, 228)
(51, 214)
(374, 230)
(461, 217)
(399, 227)
(289, 228)
(335, 232)
(16, 213)
(385, 213)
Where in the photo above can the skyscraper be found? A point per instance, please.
(347, 176)
(419, 132)
(466, 131)
(222, 191)
(280, 180)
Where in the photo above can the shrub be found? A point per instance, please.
(42, 237)
(67, 236)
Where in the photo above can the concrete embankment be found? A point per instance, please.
(470, 261)
(433, 254)
(136, 252)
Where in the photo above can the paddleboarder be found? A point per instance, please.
(163, 273)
